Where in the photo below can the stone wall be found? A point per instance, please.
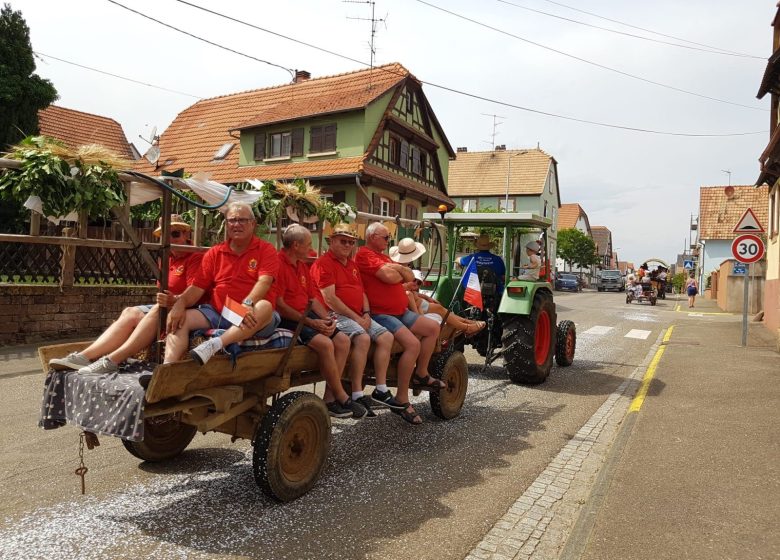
(36, 313)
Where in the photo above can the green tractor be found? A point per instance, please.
(520, 314)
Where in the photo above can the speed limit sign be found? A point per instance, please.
(747, 248)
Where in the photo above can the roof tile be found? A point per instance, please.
(485, 173)
(76, 128)
(718, 214)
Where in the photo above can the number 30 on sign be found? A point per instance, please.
(747, 248)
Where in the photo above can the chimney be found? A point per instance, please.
(462, 149)
(501, 148)
(301, 76)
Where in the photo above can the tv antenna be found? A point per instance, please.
(153, 153)
(496, 124)
(727, 172)
(374, 21)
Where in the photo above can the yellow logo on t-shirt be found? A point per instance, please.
(354, 272)
(179, 270)
(303, 280)
(252, 265)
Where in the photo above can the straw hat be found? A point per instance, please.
(407, 250)
(344, 230)
(177, 223)
(483, 242)
(533, 246)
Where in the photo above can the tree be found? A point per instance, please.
(574, 247)
(22, 93)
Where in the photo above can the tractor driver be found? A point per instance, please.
(485, 259)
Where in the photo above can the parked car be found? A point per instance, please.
(567, 282)
(610, 280)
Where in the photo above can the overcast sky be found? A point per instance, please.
(644, 187)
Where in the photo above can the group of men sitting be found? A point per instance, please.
(370, 297)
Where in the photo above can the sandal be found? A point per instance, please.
(409, 414)
(474, 328)
(427, 383)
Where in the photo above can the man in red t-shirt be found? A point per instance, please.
(136, 327)
(341, 290)
(242, 268)
(384, 284)
(294, 289)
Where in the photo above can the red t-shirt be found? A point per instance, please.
(328, 271)
(182, 271)
(384, 298)
(293, 284)
(226, 273)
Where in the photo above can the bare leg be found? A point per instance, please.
(360, 345)
(324, 348)
(341, 351)
(142, 337)
(428, 331)
(117, 333)
(406, 362)
(177, 342)
(382, 346)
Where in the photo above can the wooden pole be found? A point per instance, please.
(165, 242)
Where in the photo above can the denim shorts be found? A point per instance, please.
(216, 321)
(352, 328)
(395, 322)
(307, 333)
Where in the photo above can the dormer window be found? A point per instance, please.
(223, 151)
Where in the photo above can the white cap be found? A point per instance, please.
(533, 246)
(418, 275)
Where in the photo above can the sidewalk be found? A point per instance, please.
(695, 472)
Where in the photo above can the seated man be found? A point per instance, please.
(530, 271)
(485, 259)
(241, 268)
(341, 290)
(384, 283)
(136, 328)
(293, 289)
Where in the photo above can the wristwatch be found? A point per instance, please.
(248, 301)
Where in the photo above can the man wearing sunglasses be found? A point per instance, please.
(241, 268)
(136, 328)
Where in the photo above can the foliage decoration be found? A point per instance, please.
(66, 180)
(300, 201)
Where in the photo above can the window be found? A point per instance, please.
(395, 150)
(322, 139)
(223, 151)
(409, 102)
(384, 207)
(259, 146)
(419, 161)
(469, 205)
(545, 209)
(280, 145)
(774, 213)
(411, 212)
(504, 207)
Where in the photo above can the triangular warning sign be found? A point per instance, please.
(748, 223)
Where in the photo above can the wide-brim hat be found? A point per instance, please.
(344, 230)
(177, 223)
(483, 242)
(533, 246)
(407, 250)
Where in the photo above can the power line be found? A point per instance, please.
(707, 50)
(586, 61)
(292, 72)
(466, 94)
(116, 75)
(649, 30)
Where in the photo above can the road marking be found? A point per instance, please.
(598, 329)
(637, 333)
(677, 307)
(636, 404)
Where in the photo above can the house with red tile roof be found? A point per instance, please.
(369, 138)
(524, 180)
(76, 128)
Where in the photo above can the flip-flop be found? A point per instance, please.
(427, 383)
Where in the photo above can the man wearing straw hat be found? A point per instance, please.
(136, 328)
(341, 290)
(384, 283)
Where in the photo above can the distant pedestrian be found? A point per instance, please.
(692, 288)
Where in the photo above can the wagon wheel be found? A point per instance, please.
(529, 341)
(164, 438)
(291, 446)
(566, 343)
(450, 367)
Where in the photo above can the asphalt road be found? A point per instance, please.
(390, 490)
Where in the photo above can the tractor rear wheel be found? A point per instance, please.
(529, 341)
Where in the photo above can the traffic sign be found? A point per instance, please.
(748, 223)
(739, 269)
(688, 265)
(747, 248)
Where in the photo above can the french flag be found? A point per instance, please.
(473, 293)
(234, 311)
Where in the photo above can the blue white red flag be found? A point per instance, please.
(473, 293)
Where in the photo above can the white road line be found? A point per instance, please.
(598, 329)
(637, 333)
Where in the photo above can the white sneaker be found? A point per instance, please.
(74, 360)
(101, 366)
(204, 351)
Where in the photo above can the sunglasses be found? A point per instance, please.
(238, 221)
(346, 241)
(177, 233)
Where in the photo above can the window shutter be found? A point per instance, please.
(394, 208)
(423, 165)
(376, 207)
(416, 160)
(297, 142)
(329, 138)
(259, 146)
(339, 197)
(404, 162)
(315, 140)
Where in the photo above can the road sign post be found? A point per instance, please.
(745, 295)
(747, 248)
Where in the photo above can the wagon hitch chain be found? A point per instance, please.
(92, 441)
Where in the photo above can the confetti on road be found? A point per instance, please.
(598, 329)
